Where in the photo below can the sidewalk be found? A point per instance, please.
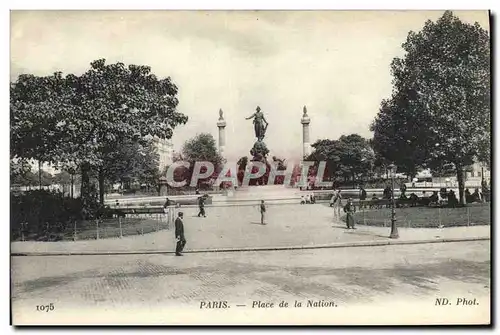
(239, 229)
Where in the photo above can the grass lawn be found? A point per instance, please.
(426, 217)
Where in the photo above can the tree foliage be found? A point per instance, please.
(78, 120)
(19, 168)
(202, 147)
(439, 112)
(351, 156)
(132, 161)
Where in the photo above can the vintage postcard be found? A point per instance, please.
(250, 167)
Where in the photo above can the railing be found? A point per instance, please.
(433, 216)
(115, 227)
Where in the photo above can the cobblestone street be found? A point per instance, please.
(365, 275)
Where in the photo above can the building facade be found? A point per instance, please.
(165, 151)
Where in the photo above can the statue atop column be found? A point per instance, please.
(260, 124)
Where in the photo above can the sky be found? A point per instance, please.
(337, 63)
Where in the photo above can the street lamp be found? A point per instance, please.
(394, 229)
(482, 176)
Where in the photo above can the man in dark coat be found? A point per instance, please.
(402, 189)
(179, 235)
(262, 211)
(201, 205)
(362, 196)
(349, 210)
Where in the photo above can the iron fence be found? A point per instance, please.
(424, 217)
(116, 227)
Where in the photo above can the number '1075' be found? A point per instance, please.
(45, 308)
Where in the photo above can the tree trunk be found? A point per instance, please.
(101, 187)
(85, 186)
(461, 184)
(72, 185)
(353, 180)
(40, 174)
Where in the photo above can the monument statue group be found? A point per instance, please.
(259, 150)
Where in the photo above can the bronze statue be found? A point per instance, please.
(260, 124)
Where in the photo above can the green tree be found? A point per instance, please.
(326, 150)
(442, 91)
(356, 156)
(21, 173)
(395, 138)
(46, 178)
(130, 162)
(75, 120)
(19, 168)
(351, 156)
(62, 178)
(202, 147)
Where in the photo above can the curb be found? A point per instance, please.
(306, 247)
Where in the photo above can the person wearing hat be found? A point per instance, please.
(337, 203)
(201, 205)
(262, 211)
(349, 210)
(179, 234)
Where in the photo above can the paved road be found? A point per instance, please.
(365, 276)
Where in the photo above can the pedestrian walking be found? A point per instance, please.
(308, 198)
(179, 235)
(201, 205)
(337, 204)
(402, 189)
(349, 209)
(362, 197)
(262, 211)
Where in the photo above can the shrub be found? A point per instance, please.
(41, 207)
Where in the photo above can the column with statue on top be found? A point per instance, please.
(221, 124)
(306, 144)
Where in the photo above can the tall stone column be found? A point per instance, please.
(306, 144)
(222, 133)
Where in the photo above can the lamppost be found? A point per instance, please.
(482, 176)
(394, 229)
